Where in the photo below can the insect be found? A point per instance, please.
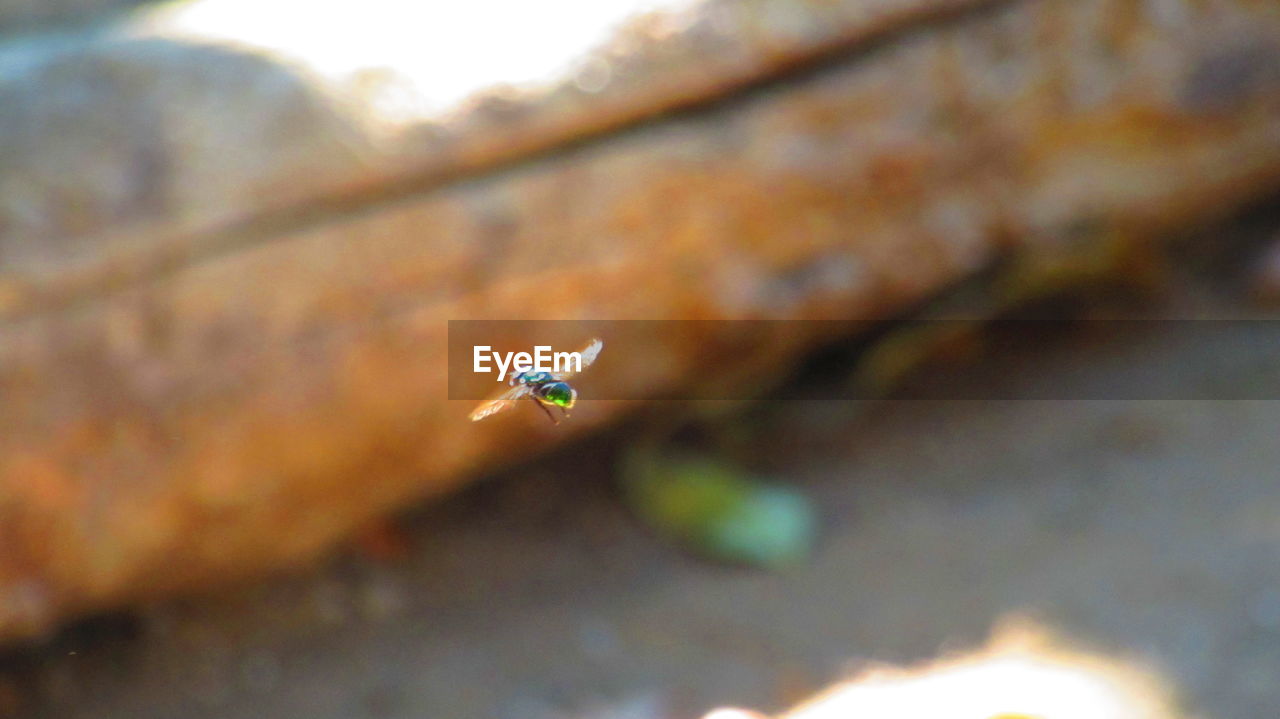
(546, 389)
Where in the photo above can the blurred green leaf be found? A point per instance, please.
(717, 511)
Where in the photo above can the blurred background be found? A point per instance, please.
(944, 327)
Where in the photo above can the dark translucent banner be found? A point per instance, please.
(849, 360)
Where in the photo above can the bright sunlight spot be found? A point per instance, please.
(1022, 675)
(422, 58)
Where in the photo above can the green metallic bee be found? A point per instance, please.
(547, 389)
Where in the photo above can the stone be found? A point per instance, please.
(226, 287)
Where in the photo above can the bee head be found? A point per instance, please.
(531, 377)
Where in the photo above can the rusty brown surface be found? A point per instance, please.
(136, 150)
(240, 410)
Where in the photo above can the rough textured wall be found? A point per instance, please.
(225, 296)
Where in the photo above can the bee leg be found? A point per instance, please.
(551, 416)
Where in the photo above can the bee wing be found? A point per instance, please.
(499, 403)
(588, 353)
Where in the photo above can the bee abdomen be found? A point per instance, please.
(557, 393)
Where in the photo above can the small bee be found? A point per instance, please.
(547, 389)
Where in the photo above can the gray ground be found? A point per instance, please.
(1150, 528)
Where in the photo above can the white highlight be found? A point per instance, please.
(424, 57)
(1025, 674)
